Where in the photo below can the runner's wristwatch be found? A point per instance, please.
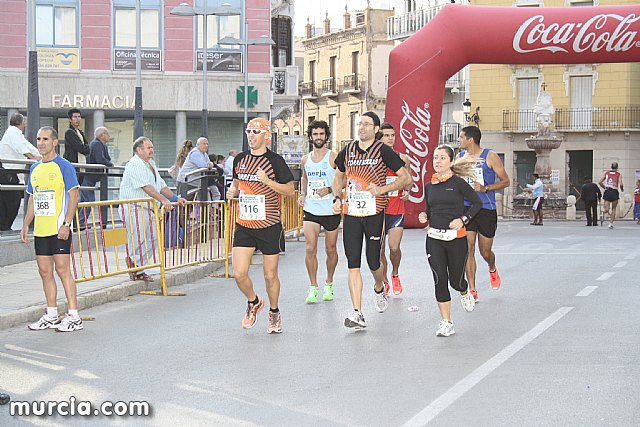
(66, 224)
(337, 198)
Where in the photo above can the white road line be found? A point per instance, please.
(470, 381)
(606, 276)
(586, 291)
(620, 264)
(631, 256)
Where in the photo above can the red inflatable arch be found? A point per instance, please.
(459, 35)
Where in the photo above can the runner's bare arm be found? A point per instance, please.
(26, 222)
(621, 184)
(285, 189)
(601, 182)
(338, 186)
(232, 191)
(72, 207)
(303, 180)
(403, 180)
(407, 166)
(494, 162)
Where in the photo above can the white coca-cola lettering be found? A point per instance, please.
(414, 133)
(534, 35)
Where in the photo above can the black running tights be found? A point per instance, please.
(447, 261)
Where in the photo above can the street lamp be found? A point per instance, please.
(184, 9)
(246, 42)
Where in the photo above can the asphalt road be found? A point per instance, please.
(558, 344)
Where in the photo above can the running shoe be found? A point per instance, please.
(275, 323)
(445, 328)
(355, 320)
(252, 313)
(327, 294)
(69, 324)
(313, 294)
(382, 302)
(397, 286)
(494, 279)
(475, 295)
(610, 225)
(386, 287)
(468, 302)
(45, 322)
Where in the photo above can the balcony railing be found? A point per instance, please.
(566, 119)
(449, 133)
(308, 90)
(351, 83)
(329, 87)
(407, 24)
(285, 81)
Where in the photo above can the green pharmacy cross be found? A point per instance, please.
(252, 98)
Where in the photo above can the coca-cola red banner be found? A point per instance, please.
(459, 35)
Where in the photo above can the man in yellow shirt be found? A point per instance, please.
(54, 190)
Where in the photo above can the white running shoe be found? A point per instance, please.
(45, 322)
(610, 225)
(355, 320)
(468, 302)
(445, 328)
(382, 302)
(70, 324)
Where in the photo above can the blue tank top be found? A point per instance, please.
(485, 176)
(319, 175)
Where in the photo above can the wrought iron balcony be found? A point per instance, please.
(407, 24)
(308, 90)
(351, 83)
(285, 81)
(576, 119)
(449, 133)
(329, 87)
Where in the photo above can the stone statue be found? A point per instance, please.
(543, 110)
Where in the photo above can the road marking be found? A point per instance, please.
(586, 291)
(605, 276)
(471, 380)
(620, 264)
(33, 362)
(630, 256)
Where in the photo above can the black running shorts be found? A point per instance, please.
(268, 240)
(328, 222)
(611, 195)
(51, 245)
(485, 223)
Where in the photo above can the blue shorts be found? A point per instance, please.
(393, 221)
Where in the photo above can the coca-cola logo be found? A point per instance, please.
(596, 34)
(414, 133)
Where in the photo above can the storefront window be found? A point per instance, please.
(224, 134)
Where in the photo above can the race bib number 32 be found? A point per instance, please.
(252, 207)
(44, 203)
(362, 203)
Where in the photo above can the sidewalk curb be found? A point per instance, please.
(127, 288)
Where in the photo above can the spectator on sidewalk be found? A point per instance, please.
(13, 146)
(228, 164)
(98, 155)
(198, 158)
(537, 190)
(142, 180)
(590, 194)
(187, 146)
(76, 146)
(636, 202)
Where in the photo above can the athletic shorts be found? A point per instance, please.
(611, 195)
(354, 229)
(328, 222)
(393, 221)
(268, 240)
(485, 223)
(51, 245)
(537, 204)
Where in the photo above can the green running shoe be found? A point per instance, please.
(327, 295)
(313, 295)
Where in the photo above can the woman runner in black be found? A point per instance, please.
(446, 234)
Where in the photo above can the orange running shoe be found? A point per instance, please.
(494, 279)
(275, 323)
(397, 286)
(252, 313)
(386, 288)
(475, 294)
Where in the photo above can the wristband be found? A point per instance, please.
(174, 198)
(465, 219)
(486, 188)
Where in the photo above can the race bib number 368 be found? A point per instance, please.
(44, 203)
(252, 207)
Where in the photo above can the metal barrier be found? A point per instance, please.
(194, 234)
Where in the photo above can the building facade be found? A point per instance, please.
(597, 113)
(86, 56)
(345, 72)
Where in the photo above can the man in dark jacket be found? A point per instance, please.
(590, 194)
(76, 144)
(98, 155)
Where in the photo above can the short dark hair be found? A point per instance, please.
(52, 131)
(473, 132)
(535, 175)
(73, 111)
(587, 179)
(16, 119)
(614, 165)
(139, 142)
(318, 124)
(374, 117)
(448, 149)
(386, 125)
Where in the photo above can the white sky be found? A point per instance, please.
(316, 10)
